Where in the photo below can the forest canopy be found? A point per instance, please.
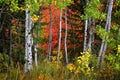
(45, 39)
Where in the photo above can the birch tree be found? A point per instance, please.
(38, 34)
(31, 8)
(107, 28)
(28, 42)
(91, 34)
(36, 51)
(62, 4)
(91, 13)
(60, 35)
(50, 36)
(85, 33)
(66, 30)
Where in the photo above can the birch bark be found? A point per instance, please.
(85, 36)
(36, 51)
(60, 29)
(107, 28)
(66, 29)
(85, 32)
(38, 34)
(28, 42)
(108, 23)
(91, 34)
(50, 36)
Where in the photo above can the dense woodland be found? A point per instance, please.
(59, 39)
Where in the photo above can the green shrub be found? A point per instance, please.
(4, 62)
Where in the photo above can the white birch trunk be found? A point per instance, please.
(60, 29)
(36, 42)
(36, 51)
(85, 36)
(107, 28)
(91, 34)
(66, 29)
(50, 36)
(100, 52)
(28, 42)
(85, 33)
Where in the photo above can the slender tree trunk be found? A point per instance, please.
(35, 45)
(91, 34)
(10, 52)
(66, 29)
(107, 28)
(28, 42)
(85, 36)
(60, 30)
(85, 33)
(36, 51)
(36, 42)
(50, 36)
(108, 25)
(100, 52)
(93, 37)
(89, 23)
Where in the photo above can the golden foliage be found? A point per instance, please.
(71, 67)
(34, 18)
(22, 8)
(43, 77)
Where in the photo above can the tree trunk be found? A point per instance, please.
(50, 36)
(108, 23)
(85, 36)
(35, 41)
(66, 29)
(10, 51)
(36, 51)
(85, 32)
(60, 29)
(107, 28)
(28, 42)
(91, 35)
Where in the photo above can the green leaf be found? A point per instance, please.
(117, 66)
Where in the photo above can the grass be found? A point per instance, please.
(79, 70)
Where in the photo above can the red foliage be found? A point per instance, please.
(55, 29)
